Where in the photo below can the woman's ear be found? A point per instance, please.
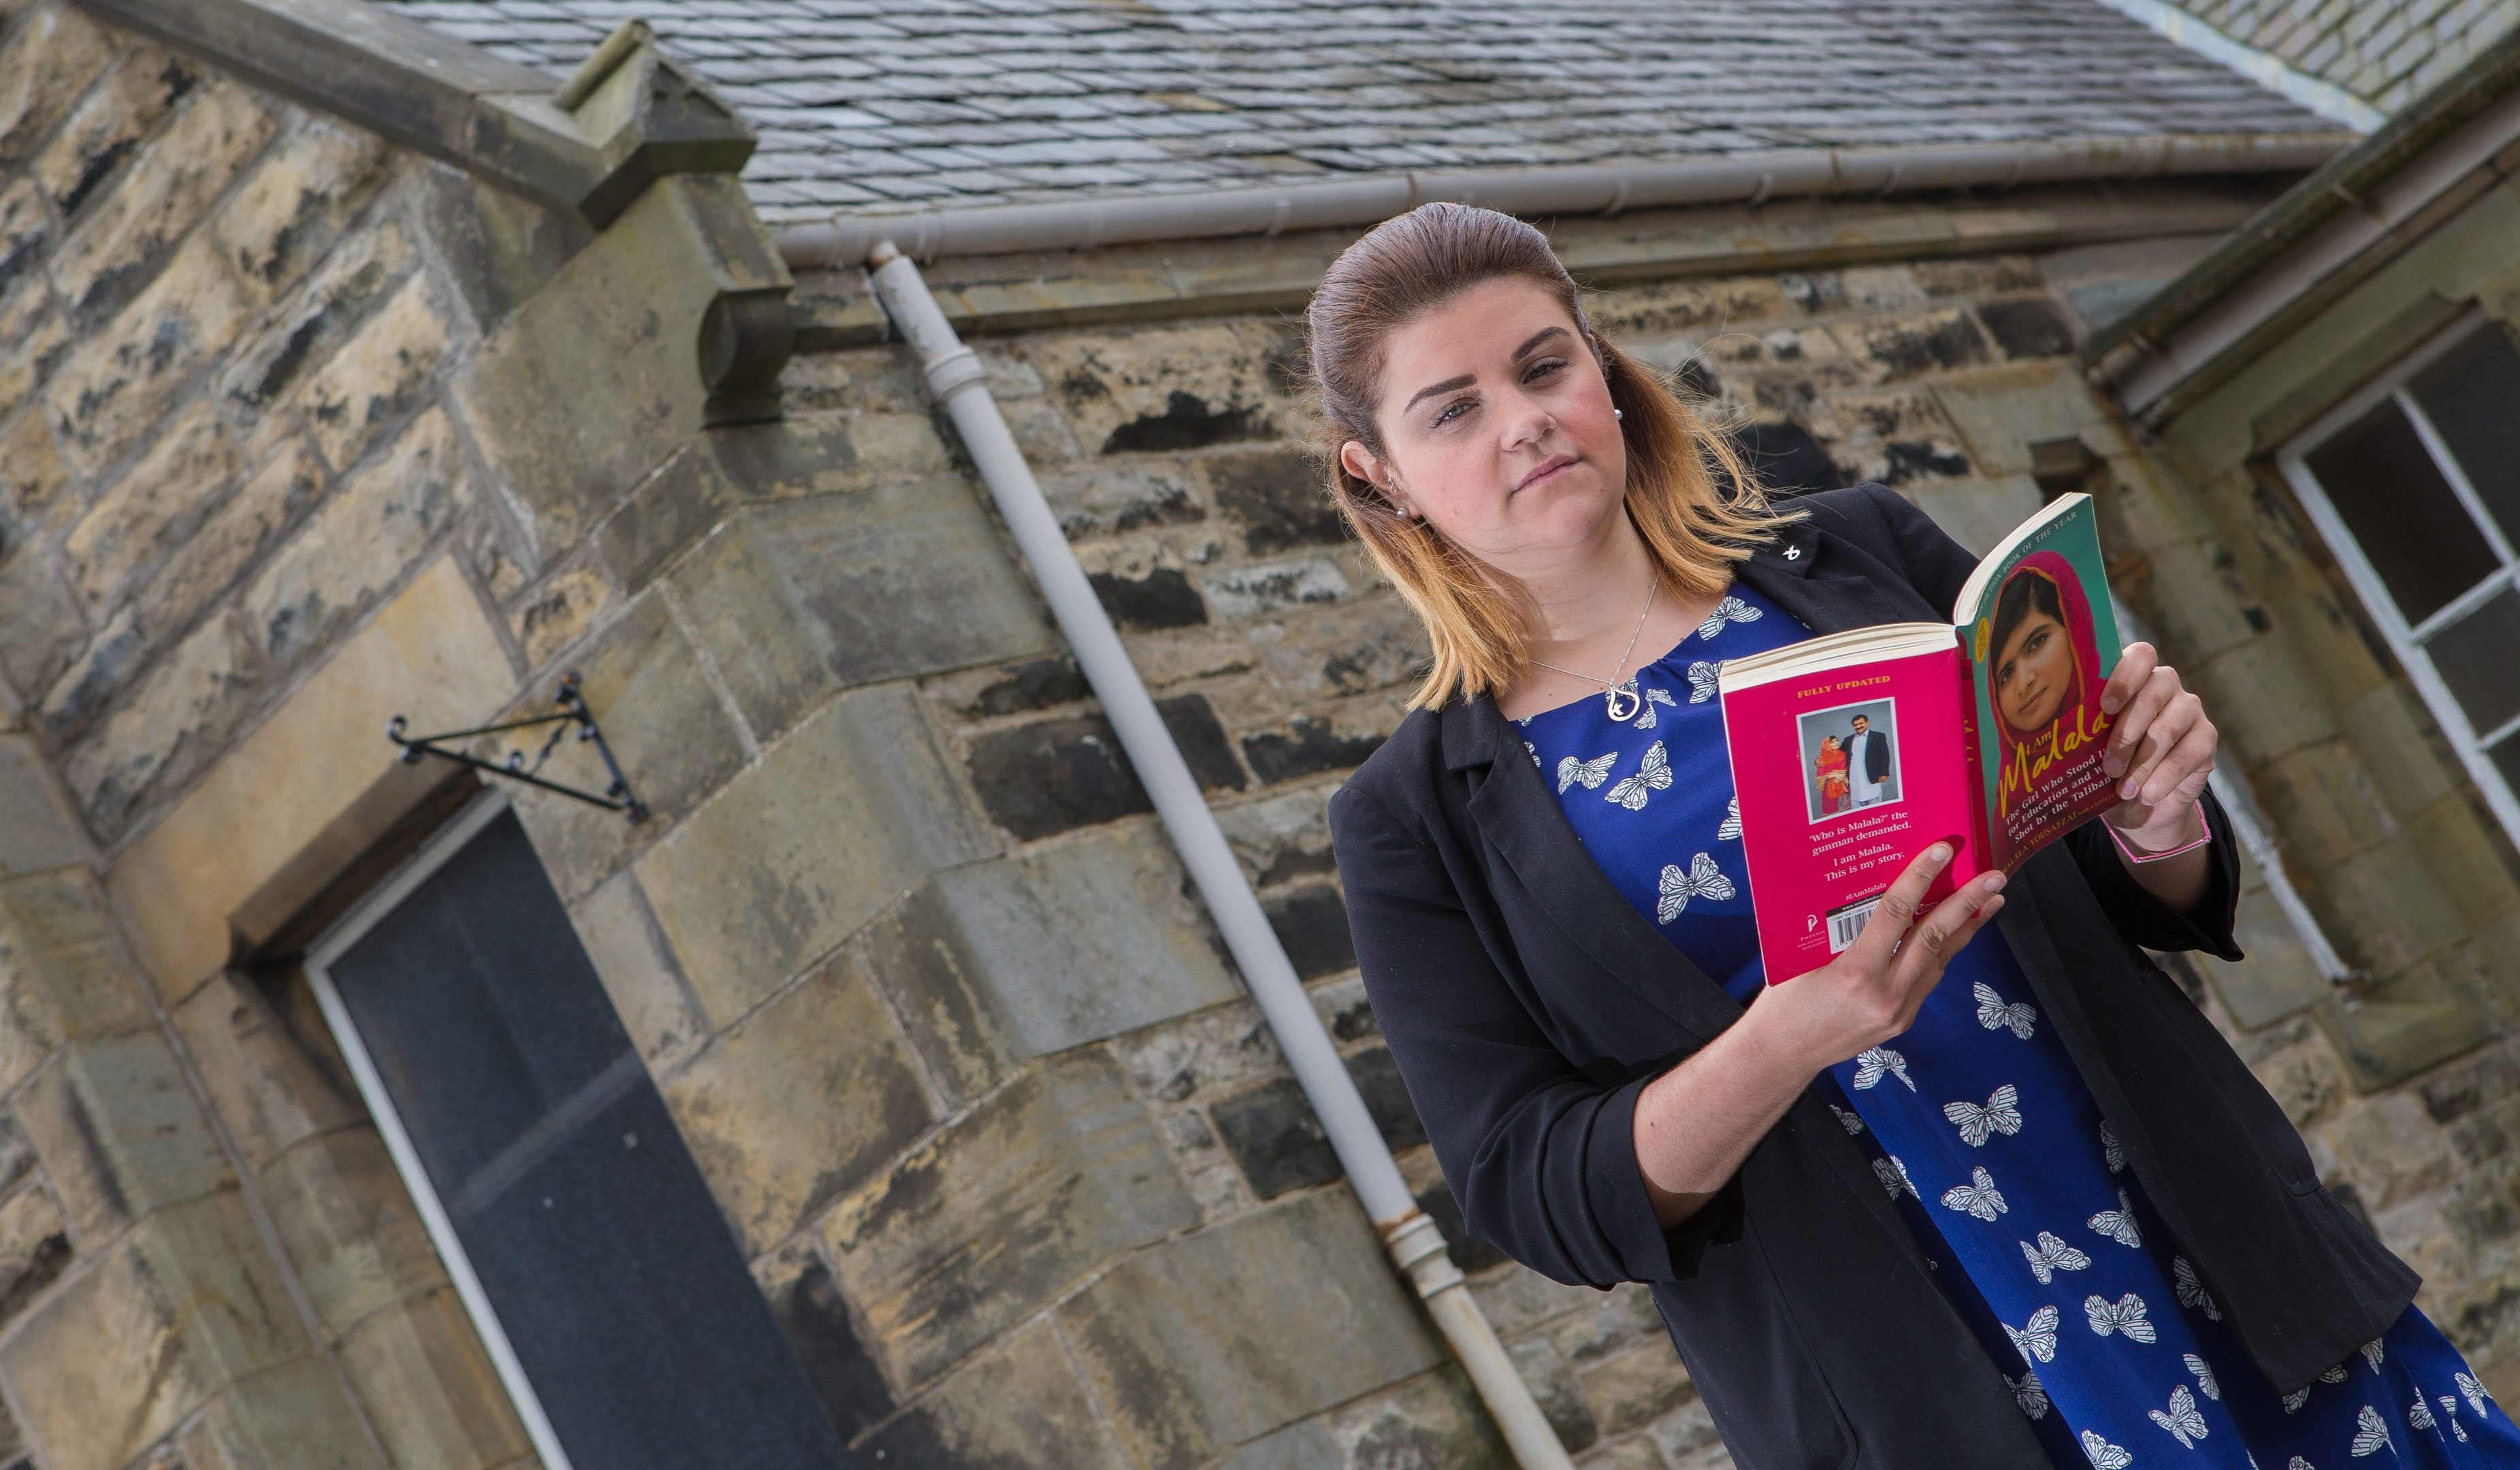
(1359, 461)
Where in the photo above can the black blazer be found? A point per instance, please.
(1527, 1004)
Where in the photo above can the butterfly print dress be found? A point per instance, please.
(1979, 1127)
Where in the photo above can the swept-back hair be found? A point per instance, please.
(1688, 492)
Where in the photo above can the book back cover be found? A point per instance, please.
(2041, 639)
(1844, 776)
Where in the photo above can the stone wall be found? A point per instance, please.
(2385, 54)
(299, 431)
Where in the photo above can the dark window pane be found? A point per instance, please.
(2479, 658)
(2402, 512)
(2472, 396)
(594, 1235)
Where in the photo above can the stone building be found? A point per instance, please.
(883, 1096)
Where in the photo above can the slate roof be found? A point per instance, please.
(877, 106)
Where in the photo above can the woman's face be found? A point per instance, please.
(1496, 428)
(1828, 744)
(2033, 671)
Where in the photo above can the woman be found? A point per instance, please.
(2037, 1213)
(1832, 768)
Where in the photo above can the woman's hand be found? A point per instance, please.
(1873, 991)
(1695, 1124)
(2161, 754)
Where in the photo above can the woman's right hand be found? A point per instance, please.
(1873, 991)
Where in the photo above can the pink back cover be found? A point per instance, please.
(1807, 862)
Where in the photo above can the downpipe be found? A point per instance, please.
(956, 378)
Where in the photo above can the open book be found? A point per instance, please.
(1856, 752)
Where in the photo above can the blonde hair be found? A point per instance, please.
(1476, 619)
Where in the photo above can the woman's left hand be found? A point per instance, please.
(2160, 752)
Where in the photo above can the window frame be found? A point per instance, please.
(2405, 639)
(371, 909)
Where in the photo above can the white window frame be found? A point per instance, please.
(2464, 737)
(328, 947)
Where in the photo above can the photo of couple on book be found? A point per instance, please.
(1854, 763)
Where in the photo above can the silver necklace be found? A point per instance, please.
(1612, 694)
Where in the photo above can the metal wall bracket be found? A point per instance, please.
(573, 714)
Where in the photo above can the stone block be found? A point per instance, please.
(36, 830)
(814, 1317)
(1377, 1080)
(180, 717)
(1166, 388)
(1274, 589)
(1274, 1138)
(297, 203)
(2000, 413)
(796, 600)
(34, 1250)
(708, 479)
(577, 399)
(111, 124)
(1213, 1048)
(799, 1104)
(267, 1087)
(311, 326)
(2277, 978)
(292, 1418)
(108, 256)
(499, 246)
(2307, 1079)
(558, 612)
(2389, 1149)
(203, 564)
(365, 537)
(158, 505)
(1280, 496)
(349, 1228)
(2027, 328)
(32, 478)
(1100, 501)
(430, 654)
(419, 1374)
(639, 973)
(1305, 1446)
(1218, 1337)
(667, 727)
(1282, 837)
(1544, 1370)
(1035, 684)
(1629, 1388)
(127, 374)
(810, 842)
(180, 1309)
(120, 1135)
(1020, 1407)
(1159, 597)
(35, 334)
(1003, 1210)
(2263, 704)
(1431, 1420)
(379, 375)
(63, 974)
(991, 965)
(40, 626)
(46, 62)
(1308, 746)
(1053, 776)
(25, 233)
(1311, 922)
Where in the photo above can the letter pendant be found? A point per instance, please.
(1623, 701)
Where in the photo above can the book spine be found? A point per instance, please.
(1982, 829)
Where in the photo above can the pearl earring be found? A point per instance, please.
(1618, 413)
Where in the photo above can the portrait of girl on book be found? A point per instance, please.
(2043, 654)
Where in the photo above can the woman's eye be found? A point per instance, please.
(2038, 641)
(1452, 411)
(1545, 369)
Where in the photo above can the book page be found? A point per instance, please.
(2040, 639)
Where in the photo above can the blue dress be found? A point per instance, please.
(1980, 1128)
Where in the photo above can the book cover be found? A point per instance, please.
(1853, 752)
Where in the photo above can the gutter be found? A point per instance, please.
(2349, 184)
(1751, 178)
(959, 382)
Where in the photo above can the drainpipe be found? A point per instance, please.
(956, 378)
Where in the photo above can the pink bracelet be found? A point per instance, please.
(2132, 856)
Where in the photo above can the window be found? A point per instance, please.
(2415, 483)
(606, 1284)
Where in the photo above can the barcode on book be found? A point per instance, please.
(1844, 924)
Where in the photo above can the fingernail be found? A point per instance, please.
(1994, 883)
(2126, 790)
(1938, 854)
(2114, 767)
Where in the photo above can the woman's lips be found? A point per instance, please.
(1546, 469)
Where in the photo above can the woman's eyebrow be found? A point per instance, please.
(1434, 388)
(1533, 344)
